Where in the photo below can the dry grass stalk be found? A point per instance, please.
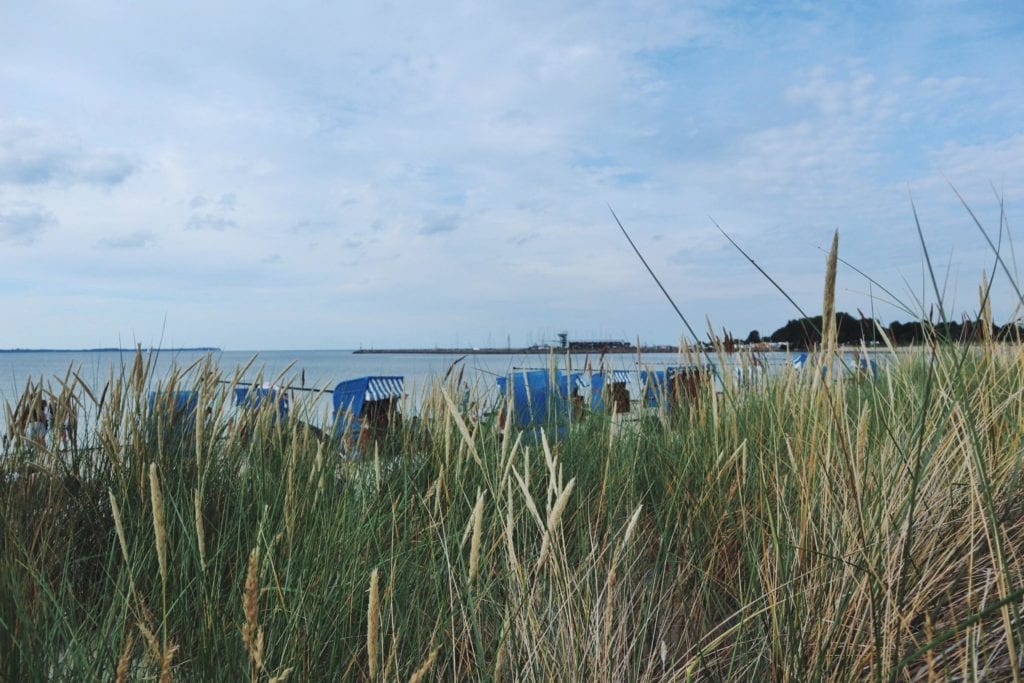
(467, 439)
(283, 676)
(425, 667)
(505, 427)
(613, 575)
(510, 525)
(165, 663)
(985, 315)
(499, 663)
(319, 468)
(474, 546)
(373, 624)
(118, 526)
(150, 638)
(390, 661)
(631, 526)
(524, 486)
(125, 660)
(609, 604)
(289, 494)
(252, 634)
(376, 465)
(554, 517)
(437, 489)
(863, 424)
(200, 530)
(828, 315)
(507, 457)
(158, 521)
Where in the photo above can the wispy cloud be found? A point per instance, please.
(22, 223)
(29, 155)
(312, 226)
(441, 224)
(523, 239)
(212, 214)
(210, 221)
(134, 240)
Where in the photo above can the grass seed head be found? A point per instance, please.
(118, 525)
(159, 531)
(125, 660)
(474, 546)
(252, 634)
(425, 667)
(200, 530)
(373, 624)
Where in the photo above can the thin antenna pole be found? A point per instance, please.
(668, 296)
(656, 280)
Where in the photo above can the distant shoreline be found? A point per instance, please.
(113, 349)
(519, 351)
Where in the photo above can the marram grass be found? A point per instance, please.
(854, 529)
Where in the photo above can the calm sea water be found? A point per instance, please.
(319, 369)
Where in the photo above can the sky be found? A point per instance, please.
(340, 175)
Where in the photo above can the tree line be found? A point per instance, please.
(804, 333)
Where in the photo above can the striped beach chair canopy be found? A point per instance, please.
(621, 375)
(350, 395)
(598, 381)
(380, 388)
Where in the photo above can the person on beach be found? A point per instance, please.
(69, 425)
(39, 422)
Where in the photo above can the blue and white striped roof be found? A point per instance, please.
(383, 387)
(605, 377)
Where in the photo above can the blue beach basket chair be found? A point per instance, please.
(366, 405)
(181, 402)
(252, 397)
(655, 390)
(610, 390)
(539, 398)
(675, 383)
(176, 409)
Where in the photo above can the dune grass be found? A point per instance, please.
(800, 529)
(821, 524)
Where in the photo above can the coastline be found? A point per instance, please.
(114, 349)
(519, 351)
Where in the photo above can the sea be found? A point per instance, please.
(308, 369)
